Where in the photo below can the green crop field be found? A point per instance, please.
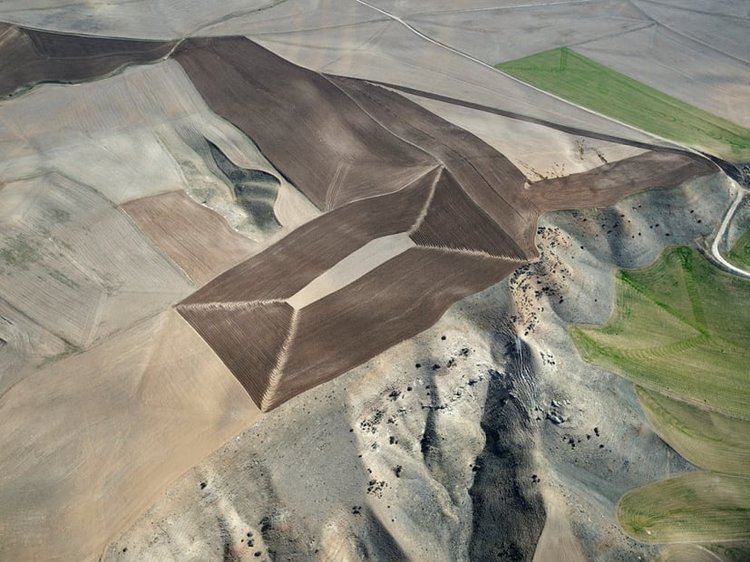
(705, 438)
(739, 255)
(578, 79)
(698, 507)
(677, 330)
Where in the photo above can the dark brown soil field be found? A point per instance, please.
(605, 185)
(401, 298)
(336, 333)
(314, 133)
(248, 337)
(341, 140)
(286, 267)
(28, 57)
(446, 220)
(489, 179)
(196, 238)
(395, 301)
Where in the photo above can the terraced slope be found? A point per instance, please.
(677, 331)
(585, 82)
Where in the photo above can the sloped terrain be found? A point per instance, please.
(475, 185)
(452, 453)
(303, 251)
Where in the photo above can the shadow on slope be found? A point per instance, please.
(509, 514)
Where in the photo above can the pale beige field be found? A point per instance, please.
(557, 543)
(685, 69)
(136, 134)
(538, 151)
(389, 52)
(89, 441)
(74, 263)
(195, 238)
(351, 268)
(160, 19)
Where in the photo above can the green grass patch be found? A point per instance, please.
(707, 439)
(739, 255)
(679, 329)
(699, 507)
(585, 82)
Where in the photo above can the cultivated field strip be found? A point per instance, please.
(288, 110)
(450, 210)
(196, 238)
(352, 267)
(678, 331)
(69, 258)
(402, 297)
(248, 339)
(566, 73)
(489, 179)
(287, 266)
(90, 440)
(28, 57)
(673, 62)
(605, 185)
(705, 438)
(699, 507)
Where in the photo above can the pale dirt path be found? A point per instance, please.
(557, 542)
(722, 229)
